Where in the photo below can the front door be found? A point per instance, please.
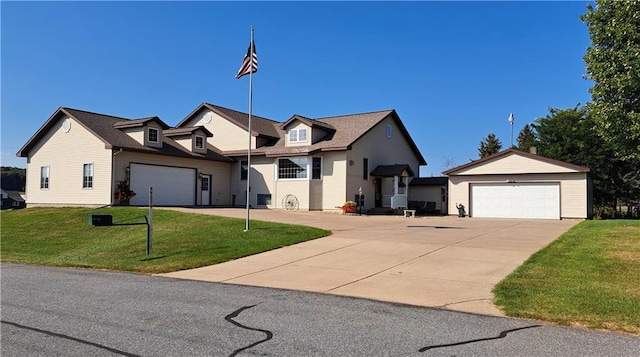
(378, 200)
(206, 189)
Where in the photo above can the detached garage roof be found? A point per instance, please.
(512, 162)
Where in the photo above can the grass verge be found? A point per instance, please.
(63, 237)
(588, 277)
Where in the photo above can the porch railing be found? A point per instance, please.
(394, 201)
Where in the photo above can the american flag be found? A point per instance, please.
(250, 62)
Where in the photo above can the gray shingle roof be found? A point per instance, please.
(391, 170)
(429, 181)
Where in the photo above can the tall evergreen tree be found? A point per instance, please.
(526, 138)
(489, 145)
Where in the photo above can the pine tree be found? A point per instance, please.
(526, 138)
(489, 146)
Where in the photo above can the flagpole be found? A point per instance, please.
(249, 147)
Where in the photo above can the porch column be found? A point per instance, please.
(394, 199)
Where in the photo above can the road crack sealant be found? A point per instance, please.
(230, 318)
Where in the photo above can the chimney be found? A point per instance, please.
(533, 150)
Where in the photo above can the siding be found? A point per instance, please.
(261, 181)
(380, 150)
(334, 177)
(513, 164)
(65, 154)
(219, 171)
(227, 136)
(573, 190)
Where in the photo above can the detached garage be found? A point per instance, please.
(518, 184)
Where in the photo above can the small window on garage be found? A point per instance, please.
(44, 177)
(87, 176)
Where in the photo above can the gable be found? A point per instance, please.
(514, 162)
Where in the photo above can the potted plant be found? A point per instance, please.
(349, 207)
(123, 193)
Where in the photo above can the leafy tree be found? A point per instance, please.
(489, 145)
(13, 178)
(526, 138)
(570, 135)
(613, 64)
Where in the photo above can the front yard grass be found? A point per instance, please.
(63, 237)
(588, 277)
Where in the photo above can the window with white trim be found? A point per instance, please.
(199, 142)
(87, 176)
(298, 135)
(388, 130)
(152, 135)
(44, 177)
(293, 168)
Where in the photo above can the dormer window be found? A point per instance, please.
(298, 135)
(199, 142)
(152, 135)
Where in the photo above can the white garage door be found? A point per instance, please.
(516, 200)
(172, 186)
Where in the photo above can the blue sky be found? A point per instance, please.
(452, 70)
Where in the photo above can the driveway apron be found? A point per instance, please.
(444, 262)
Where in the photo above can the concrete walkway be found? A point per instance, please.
(444, 262)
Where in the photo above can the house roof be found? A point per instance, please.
(187, 130)
(135, 123)
(309, 122)
(107, 129)
(15, 195)
(259, 126)
(429, 181)
(511, 151)
(391, 170)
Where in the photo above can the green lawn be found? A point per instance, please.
(63, 237)
(589, 277)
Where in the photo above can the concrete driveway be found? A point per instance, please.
(444, 262)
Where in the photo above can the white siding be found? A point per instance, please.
(138, 134)
(65, 154)
(334, 178)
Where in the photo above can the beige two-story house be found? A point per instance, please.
(80, 158)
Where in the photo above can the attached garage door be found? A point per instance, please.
(172, 186)
(516, 200)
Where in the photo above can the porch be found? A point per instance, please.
(391, 188)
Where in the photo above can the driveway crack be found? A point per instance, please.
(502, 334)
(230, 318)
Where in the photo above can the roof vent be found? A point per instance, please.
(533, 150)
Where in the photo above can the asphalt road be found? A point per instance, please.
(74, 312)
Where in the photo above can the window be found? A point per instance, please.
(365, 169)
(153, 135)
(87, 176)
(243, 169)
(264, 199)
(388, 130)
(316, 168)
(44, 177)
(293, 168)
(298, 135)
(199, 142)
